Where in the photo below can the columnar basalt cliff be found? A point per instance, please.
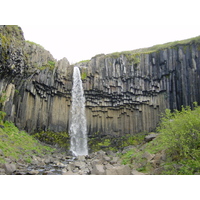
(37, 87)
(125, 92)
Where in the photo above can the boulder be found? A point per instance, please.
(2, 171)
(80, 164)
(69, 173)
(115, 160)
(148, 156)
(119, 170)
(150, 137)
(158, 171)
(135, 172)
(98, 170)
(9, 168)
(81, 158)
(33, 172)
(158, 158)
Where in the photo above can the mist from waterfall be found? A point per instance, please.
(78, 127)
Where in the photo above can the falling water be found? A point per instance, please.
(78, 129)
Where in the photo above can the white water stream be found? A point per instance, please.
(78, 128)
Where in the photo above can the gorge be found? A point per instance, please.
(125, 93)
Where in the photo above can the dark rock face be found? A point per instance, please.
(37, 87)
(124, 97)
(125, 94)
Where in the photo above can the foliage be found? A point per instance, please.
(114, 143)
(179, 138)
(135, 139)
(134, 55)
(133, 58)
(54, 138)
(83, 75)
(180, 132)
(2, 100)
(98, 143)
(2, 116)
(50, 65)
(83, 61)
(19, 145)
(127, 157)
(33, 43)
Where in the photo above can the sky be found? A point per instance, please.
(81, 29)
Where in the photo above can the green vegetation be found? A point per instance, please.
(134, 55)
(114, 143)
(5, 43)
(181, 132)
(2, 116)
(83, 73)
(2, 100)
(179, 139)
(54, 138)
(50, 65)
(83, 61)
(33, 43)
(19, 145)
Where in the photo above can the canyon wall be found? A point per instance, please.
(37, 87)
(125, 92)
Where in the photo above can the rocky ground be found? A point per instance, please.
(98, 163)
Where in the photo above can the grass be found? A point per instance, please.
(50, 65)
(83, 61)
(33, 43)
(134, 54)
(19, 144)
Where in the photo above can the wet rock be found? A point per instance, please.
(81, 158)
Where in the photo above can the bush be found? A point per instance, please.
(180, 133)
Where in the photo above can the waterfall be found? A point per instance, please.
(78, 129)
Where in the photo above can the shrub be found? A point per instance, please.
(180, 132)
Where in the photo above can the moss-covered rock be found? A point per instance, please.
(60, 139)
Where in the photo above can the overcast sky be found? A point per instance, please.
(80, 29)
